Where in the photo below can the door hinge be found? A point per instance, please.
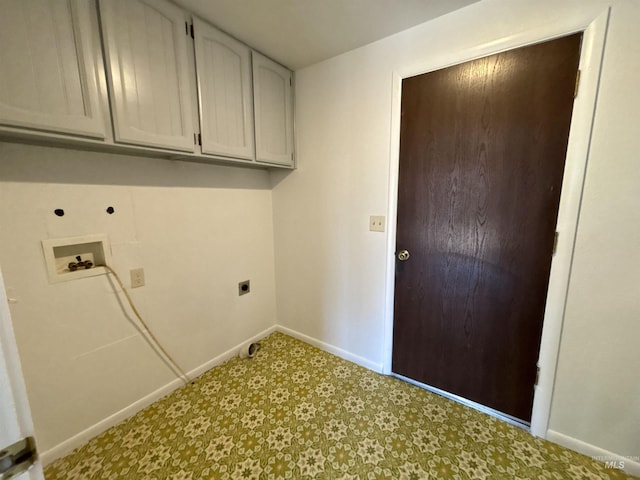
(199, 139)
(555, 243)
(575, 92)
(188, 29)
(17, 458)
(191, 31)
(537, 376)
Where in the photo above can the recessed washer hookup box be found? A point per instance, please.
(76, 257)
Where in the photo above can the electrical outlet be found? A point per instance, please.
(244, 287)
(377, 223)
(137, 277)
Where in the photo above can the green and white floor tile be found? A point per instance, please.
(296, 412)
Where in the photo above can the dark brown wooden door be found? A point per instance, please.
(482, 152)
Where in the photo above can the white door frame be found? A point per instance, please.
(595, 30)
(15, 414)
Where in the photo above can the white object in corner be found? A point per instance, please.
(59, 252)
(248, 350)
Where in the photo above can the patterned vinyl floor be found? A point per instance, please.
(296, 412)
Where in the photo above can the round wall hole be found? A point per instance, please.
(59, 212)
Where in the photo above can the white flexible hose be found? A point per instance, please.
(183, 376)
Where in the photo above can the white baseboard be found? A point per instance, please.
(83, 437)
(232, 352)
(631, 465)
(376, 367)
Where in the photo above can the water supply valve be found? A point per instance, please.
(73, 266)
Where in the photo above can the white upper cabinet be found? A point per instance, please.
(148, 73)
(47, 73)
(127, 74)
(273, 104)
(223, 70)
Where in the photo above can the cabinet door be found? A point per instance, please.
(48, 79)
(223, 68)
(147, 71)
(273, 103)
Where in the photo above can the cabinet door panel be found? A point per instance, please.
(273, 105)
(223, 67)
(48, 81)
(147, 70)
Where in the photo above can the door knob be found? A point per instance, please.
(403, 255)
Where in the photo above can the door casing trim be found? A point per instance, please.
(595, 30)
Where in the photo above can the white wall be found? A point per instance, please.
(597, 394)
(197, 230)
(330, 270)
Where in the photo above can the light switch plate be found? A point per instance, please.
(377, 223)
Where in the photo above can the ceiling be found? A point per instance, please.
(298, 33)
